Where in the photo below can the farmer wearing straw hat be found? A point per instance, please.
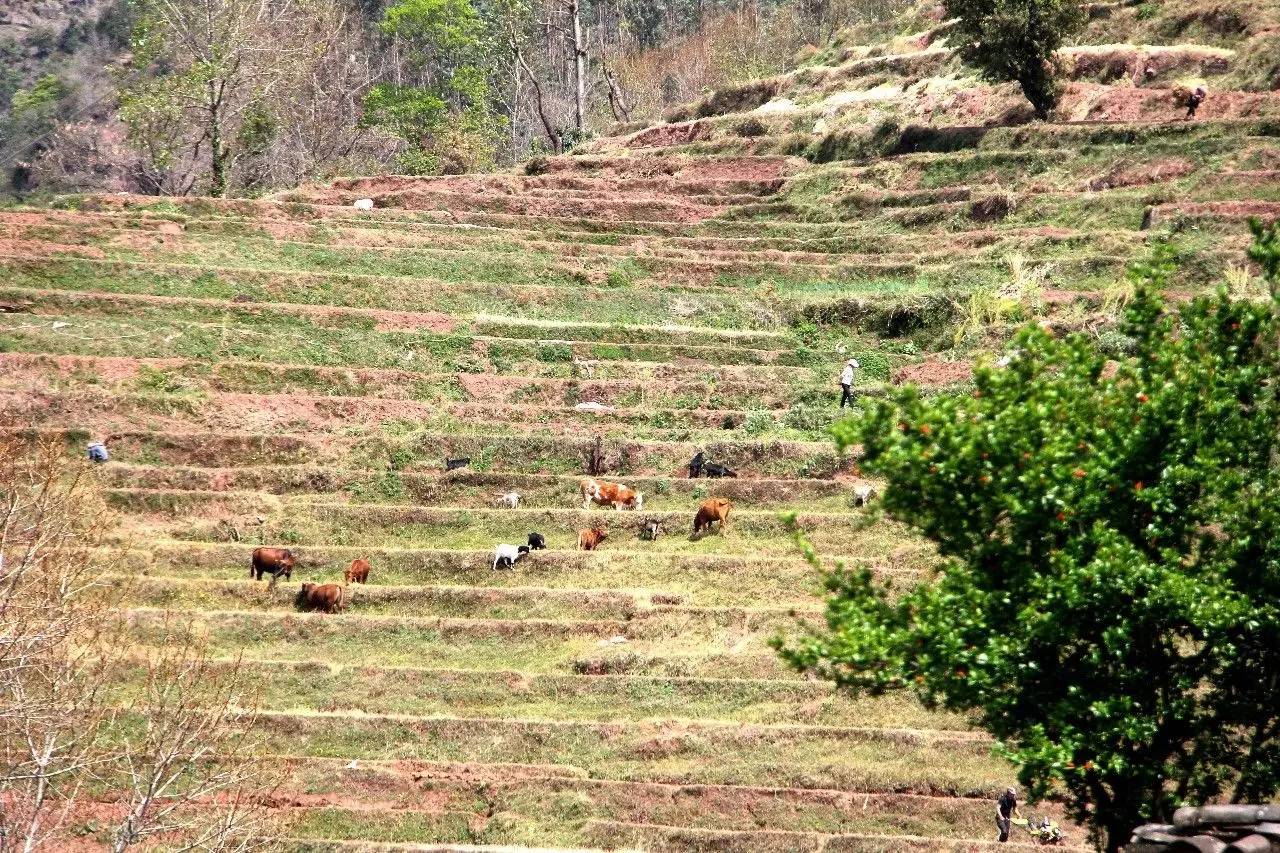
(846, 382)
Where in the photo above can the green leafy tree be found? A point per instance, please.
(37, 110)
(446, 110)
(1015, 40)
(1108, 601)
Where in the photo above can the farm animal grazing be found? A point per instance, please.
(695, 465)
(863, 495)
(505, 556)
(455, 464)
(609, 494)
(325, 597)
(537, 542)
(590, 539)
(652, 529)
(715, 469)
(710, 511)
(510, 500)
(358, 571)
(271, 561)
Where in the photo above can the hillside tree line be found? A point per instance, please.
(238, 97)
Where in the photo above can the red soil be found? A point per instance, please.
(934, 372)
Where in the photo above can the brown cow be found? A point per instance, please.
(710, 511)
(325, 597)
(271, 561)
(590, 539)
(358, 573)
(609, 494)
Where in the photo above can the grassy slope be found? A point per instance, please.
(292, 372)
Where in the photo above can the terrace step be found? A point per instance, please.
(174, 515)
(735, 388)
(656, 837)
(109, 411)
(681, 753)
(614, 606)
(375, 689)
(522, 454)
(387, 787)
(725, 579)
(466, 488)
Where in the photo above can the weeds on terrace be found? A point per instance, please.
(74, 743)
(1017, 299)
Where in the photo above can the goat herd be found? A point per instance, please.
(332, 597)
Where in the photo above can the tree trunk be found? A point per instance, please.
(217, 152)
(579, 68)
(556, 140)
(616, 101)
(1038, 86)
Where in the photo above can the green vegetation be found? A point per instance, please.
(1106, 603)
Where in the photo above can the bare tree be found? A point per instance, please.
(55, 631)
(213, 64)
(189, 765)
(179, 755)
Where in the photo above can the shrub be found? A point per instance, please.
(758, 422)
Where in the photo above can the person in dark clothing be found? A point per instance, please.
(1006, 809)
(1195, 99)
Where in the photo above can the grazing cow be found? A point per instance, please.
(590, 539)
(715, 469)
(510, 500)
(537, 542)
(505, 556)
(325, 597)
(652, 529)
(710, 511)
(609, 494)
(271, 561)
(863, 495)
(358, 572)
(455, 464)
(695, 465)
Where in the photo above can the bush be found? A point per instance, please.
(758, 422)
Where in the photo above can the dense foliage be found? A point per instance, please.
(1108, 605)
(1015, 40)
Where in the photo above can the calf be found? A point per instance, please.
(863, 495)
(455, 464)
(271, 561)
(358, 572)
(537, 542)
(695, 465)
(651, 530)
(609, 494)
(715, 469)
(505, 556)
(510, 500)
(590, 539)
(325, 597)
(710, 511)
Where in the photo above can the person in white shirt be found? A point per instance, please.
(846, 382)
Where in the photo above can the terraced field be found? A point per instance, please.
(294, 372)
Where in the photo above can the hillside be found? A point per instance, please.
(295, 371)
